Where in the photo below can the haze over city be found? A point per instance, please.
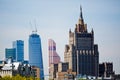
(53, 19)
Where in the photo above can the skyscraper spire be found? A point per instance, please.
(81, 21)
(80, 27)
(81, 17)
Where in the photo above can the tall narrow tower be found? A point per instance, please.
(19, 48)
(81, 53)
(54, 58)
(35, 52)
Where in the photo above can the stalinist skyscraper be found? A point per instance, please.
(81, 53)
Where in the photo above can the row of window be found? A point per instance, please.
(6, 72)
(85, 52)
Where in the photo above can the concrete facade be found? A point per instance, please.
(36, 71)
(4, 73)
(60, 71)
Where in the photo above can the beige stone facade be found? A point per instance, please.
(6, 73)
(37, 71)
(58, 71)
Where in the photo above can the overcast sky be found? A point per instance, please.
(54, 18)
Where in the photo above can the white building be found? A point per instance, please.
(7, 69)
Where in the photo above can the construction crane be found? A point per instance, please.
(33, 27)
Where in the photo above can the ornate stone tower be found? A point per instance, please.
(81, 53)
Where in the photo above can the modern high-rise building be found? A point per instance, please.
(11, 52)
(54, 58)
(35, 53)
(81, 53)
(19, 46)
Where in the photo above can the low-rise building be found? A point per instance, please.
(67, 75)
(53, 69)
(116, 77)
(106, 69)
(10, 68)
(6, 73)
(62, 67)
(36, 71)
(60, 71)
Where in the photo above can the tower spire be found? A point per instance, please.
(81, 16)
(81, 21)
(81, 27)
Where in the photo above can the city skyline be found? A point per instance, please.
(53, 20)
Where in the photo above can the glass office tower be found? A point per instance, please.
(19, 46)
(35, 53)
(54, 58)
(11, 52)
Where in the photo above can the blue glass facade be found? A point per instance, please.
(11, 52)
(19, 46)
(35, 53)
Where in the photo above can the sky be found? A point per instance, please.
(54, 18)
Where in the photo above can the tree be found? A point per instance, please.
(18, 77)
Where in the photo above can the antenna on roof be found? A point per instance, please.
(31, 26)
(34, 28)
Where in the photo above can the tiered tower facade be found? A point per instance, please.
(81, 53)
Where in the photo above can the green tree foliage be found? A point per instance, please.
(18, 77)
